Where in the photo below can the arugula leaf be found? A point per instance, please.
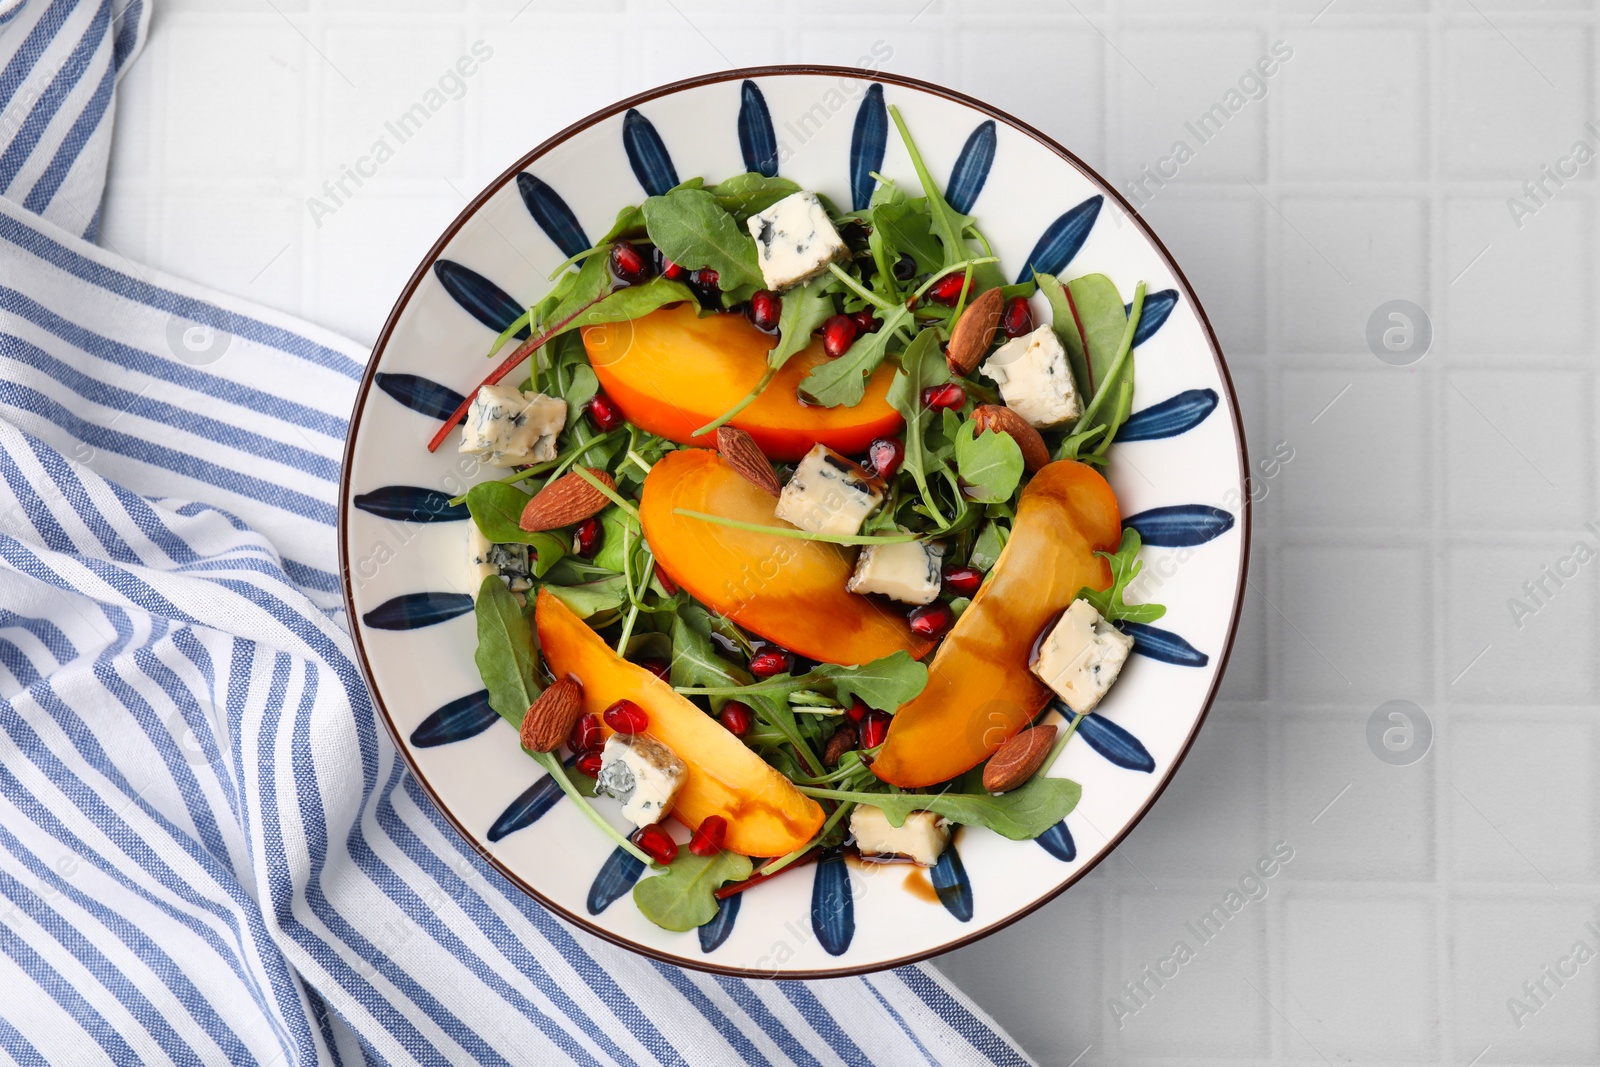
(1021, 815)
(751, 193)
(496, 507)
(986, 549)
(630, 302)
(990, 463)
(921, 365)
(885, 683)
(843, 381)
(591, 598)
(948, 224)
(684, 896)
(692, 229)
(803, 311)
(1125, 567)
(905, 226)
(507, 654)
(694, 658)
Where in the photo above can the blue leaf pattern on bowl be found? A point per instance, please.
(420, 394)
(1058, 839)
(758, 141)
(715, 932)
(1181, 525)
(458, 720)
(647, 154)
(553, 215)
(412, 611)
(972, 168)
(1163, 645)
(949, 877)
(868, 141)
(530, 807)
(1062, 239)
(833, 909)
(1173, 416)
(411, 503)
(1157, 307)
(479, 297)
(1113, 742)
(616, 877)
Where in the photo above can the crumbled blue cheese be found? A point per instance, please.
(906, 572)
(509, 428)
(1034, 380)
(795, 240)
(487, 559)
(1081, 656)
(642, 773)
(921, 839)
(828, 494)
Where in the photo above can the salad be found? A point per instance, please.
(801, 536)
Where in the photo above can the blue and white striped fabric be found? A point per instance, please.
(209, 849)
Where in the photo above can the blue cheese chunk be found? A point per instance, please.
(795, 240)
(908, 573)
(1034, 380)
(1081, 656)
(487, 559)
(828, 494)
(642, 773)
(921, 839)
(508, 428)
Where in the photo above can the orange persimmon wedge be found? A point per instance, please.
(980, 691)
(766, 815)
(789, 590)
(671, 372)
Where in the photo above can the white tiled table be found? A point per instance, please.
(1377, 165)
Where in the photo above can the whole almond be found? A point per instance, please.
(568, 499)
(551, 715)
(740, 451)
(1003, 419)
(1018, 759)
(973, 331)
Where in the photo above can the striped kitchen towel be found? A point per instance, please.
(210, 851)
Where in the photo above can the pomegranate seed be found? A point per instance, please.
(704, 284)
(586, 538)
(946, 397)
(586, 735)
(626, 717)
(838, 334)
(856, 710)
(737, 717)
(707, 841)
(930, 620)
(705, 278)
(1018, 317)
(670, 270)
(604, 413)
(962, 581)
(886, 455)
(658, 667)
(765, 307)
(629, 264)
(589, 763)
(947, 290)
(905, 268)
(864, 320)
(666, 581)
(656, 843)
(874, 727)
(771, 661)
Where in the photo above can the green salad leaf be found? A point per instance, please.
(986, 548)
(631, 302)
(1125, 567)
(885, 683)
(1021, 815)
(591, 598)
(804, 310)
(693, 229)
(1100, 311)
(989, 462)
(843, 381)
(496, 507)
(684, 895)
(921, 365)
(695, 662)
(507, 655)
(751, 193)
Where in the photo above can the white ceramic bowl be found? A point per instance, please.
(1178, 470)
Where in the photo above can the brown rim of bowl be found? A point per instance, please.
(633, 101)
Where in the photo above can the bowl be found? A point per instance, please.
(1178, 468)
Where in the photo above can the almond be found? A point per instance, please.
(973, 331)
(740, 451)
(1018, 759)
(843, 740)
(550, 717)
(568, 499)
(996, 417)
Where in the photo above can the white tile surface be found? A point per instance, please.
(1377, 165)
